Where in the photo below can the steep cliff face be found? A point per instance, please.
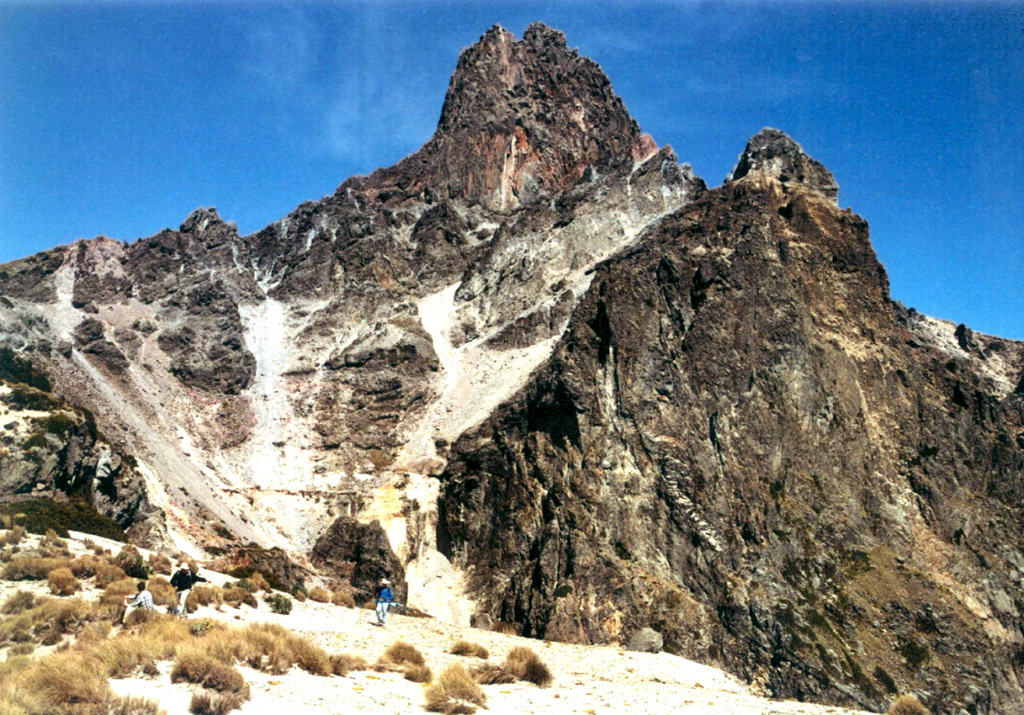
(538, 371)
(742, 443)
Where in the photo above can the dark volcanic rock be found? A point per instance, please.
(360, 554)
(720, 446)
(773, 153)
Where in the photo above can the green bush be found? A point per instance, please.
(279, 603)
(131, 562)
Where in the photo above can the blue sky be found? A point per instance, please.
(119, 118)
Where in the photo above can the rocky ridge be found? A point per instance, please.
(575, 390)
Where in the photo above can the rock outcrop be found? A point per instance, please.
(539, 371)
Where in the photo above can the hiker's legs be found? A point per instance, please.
(382, 611)
(127, 611)
(182, 597)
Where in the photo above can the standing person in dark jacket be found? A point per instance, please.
(183, 580)
(385, 597)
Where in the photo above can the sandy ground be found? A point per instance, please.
(587, 679)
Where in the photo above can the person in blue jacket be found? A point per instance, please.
(385, 597)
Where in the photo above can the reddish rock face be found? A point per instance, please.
(522, 120)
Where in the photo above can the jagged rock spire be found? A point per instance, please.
(521, 120)
(773, 153)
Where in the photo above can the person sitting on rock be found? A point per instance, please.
(183, 580)
(143, 599)
(385, 598)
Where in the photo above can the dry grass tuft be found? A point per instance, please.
(21, 649)
(14, 536)
(418, 673)
(527, 665)
(344, 663)
(259, 582)
(343, 598)
(62, 582)
(205, 596)
(163, 592)
(454, 691)
(66, 679)
(474, 650)
(236, 596)
(309, 656)
(489, 674)
(320, 595)
(107, 573)
(95, 632)
(158, 563)
(205, 703)
(132, 705)
(19, 602)
(401, 653)
(907, 705)
(194, 666)
(31, 568)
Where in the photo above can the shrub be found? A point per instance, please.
(907, 705)
(454, 691)
(21, 649)
(84, 566)
(309, 656)
(237, 596)
(402, 653)
(51, 539)
(527, 665)
(205, 596)
(279, 603)
(343, 663)
(63, 582)
(259, 582)
(320, 595)
(193, 666)
(158, 563)
(488, 674)
(466, 648)
(95, 632)
(107, 573)
(343, 598)
(30, 568)
(204, 703)
(67, 679)
(18, 602)
(131, 562)
(163, 592)
(132, 705)
(115, 591)
(885, 680)
(418, 673)
(14, 536)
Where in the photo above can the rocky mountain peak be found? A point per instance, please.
(522, 120)
(775, 154)
(200, 220)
